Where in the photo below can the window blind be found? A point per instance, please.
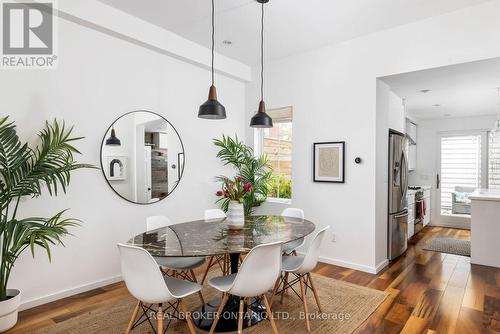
(494, 161)
(281, 115)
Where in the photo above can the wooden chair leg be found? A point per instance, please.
(159, 316)
(275, 289)
(313, 288)
(132, 319)
(199, 292)
(187, 317)
(306, 313)
(208, 269)
(249, 312)
(219, 310)
(270, 315)
(285, 283)
(228, 264)
(240, 317)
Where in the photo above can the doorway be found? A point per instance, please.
(463, 168)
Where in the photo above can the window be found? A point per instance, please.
(276, 142)
(460, 169)
(494, 161)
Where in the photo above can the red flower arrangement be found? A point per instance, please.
(234, 190)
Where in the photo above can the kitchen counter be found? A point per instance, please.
(486, 195)
(485, 227)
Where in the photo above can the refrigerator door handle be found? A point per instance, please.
(404, 175)
(402, 215)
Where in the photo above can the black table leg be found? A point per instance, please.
(235, 261)
(228, 322)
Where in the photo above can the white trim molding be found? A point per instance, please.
(27, 304)
(351, 265)
(456, 224)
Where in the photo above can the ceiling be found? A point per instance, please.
(292, 26)
(462, 90)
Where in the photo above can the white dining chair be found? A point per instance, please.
(290, 248)
(181, 266)
(222, 260)
(258, 273)
(145, 281)
(214, 214)
(301, 267)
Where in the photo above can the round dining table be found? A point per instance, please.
(214, 237)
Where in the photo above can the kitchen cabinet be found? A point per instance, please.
(411, 220)
(412, 210)
(428, 209)
(410, 198)
(411, 144)
(411, 131)
(412, 157)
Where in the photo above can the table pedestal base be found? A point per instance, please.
(228, 320)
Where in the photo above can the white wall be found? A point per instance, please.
(333, 93)
(99, 78)
(428, 132)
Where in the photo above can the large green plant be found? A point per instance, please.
(24, 172)
(252, 169)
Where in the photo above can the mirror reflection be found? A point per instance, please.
(142, 157)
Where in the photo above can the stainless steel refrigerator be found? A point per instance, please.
(398, 187)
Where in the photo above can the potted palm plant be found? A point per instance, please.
(24, 172)
(253, 170)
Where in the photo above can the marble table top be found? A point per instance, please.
(213, 237)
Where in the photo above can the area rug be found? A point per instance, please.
(345, 307)
(449, 245)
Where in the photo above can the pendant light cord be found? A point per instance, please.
(213, 39)
(262, 55)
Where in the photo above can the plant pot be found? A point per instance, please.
(9, 309)
(235, 215)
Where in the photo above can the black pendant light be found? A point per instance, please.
(212, 109)
(113, 140)
(261, 119)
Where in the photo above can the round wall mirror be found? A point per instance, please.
(142, 157)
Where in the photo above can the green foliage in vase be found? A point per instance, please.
(253, 170)
(24, 172)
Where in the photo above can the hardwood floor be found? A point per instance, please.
(429, 293)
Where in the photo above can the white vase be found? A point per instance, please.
(9, 309)
(235, 215)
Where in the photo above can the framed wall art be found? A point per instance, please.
(116, 168)
(329, 162)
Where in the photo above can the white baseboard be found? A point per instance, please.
(352, 265)
(460, 225)
(381, 266)
(68, 292)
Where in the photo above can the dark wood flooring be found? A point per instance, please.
(429, 293)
